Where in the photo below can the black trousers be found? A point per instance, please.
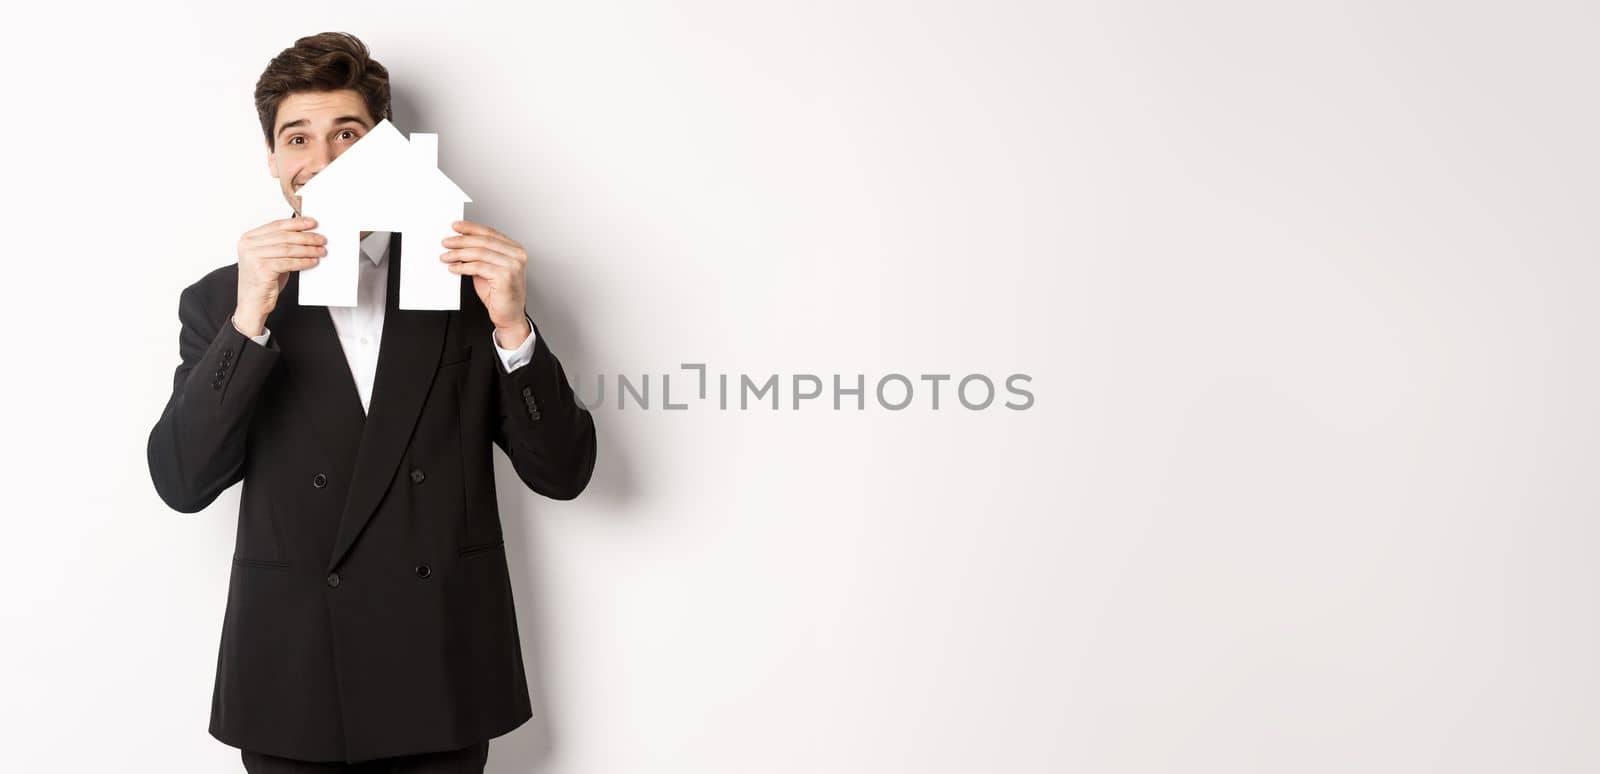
(467, 760)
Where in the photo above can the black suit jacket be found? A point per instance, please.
(369, 607)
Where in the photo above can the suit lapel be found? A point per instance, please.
(413, 340)
(320, 376)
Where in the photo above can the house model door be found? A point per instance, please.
(384, 183)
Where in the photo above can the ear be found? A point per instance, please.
(272, 167)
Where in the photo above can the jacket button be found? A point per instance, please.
(319, 481)
(423, 570)
(526, 391)
(216, 384)
(333, 580)
(416, 475)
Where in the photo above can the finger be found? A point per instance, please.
(480, 269)
(288, 238)
(478, 255)
(269, 252)
(285, 265)
(504, 247)
(286, 251)
(494, 242)
(284, 224)
(269, 226)
(469, 227)
(297, 224)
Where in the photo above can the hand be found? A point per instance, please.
(498, 269)
(267, 254)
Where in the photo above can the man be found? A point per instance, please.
(369, 616)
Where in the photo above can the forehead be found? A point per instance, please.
(321, 107)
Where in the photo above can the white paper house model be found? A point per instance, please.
(384, 183)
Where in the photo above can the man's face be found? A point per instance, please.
(312, 129)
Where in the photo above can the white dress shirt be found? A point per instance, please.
(360, 327)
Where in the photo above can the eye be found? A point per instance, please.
(296, 137)
(350, 132)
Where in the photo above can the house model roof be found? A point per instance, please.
(384, 160)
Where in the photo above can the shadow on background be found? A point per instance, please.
(531, 746)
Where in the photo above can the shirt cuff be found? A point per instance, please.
(267, 332)
(519, 357)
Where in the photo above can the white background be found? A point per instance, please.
(1305, 290)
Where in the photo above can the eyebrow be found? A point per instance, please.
(337, 121)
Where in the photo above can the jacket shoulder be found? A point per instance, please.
(213, 295)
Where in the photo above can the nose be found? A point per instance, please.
(323, 159)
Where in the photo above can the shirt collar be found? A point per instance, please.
(376, 247)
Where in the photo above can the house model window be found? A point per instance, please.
(384, 183)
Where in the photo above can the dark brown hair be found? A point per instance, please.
(325, 62)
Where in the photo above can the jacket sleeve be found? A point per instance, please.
(549, 438)
(197, 447)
